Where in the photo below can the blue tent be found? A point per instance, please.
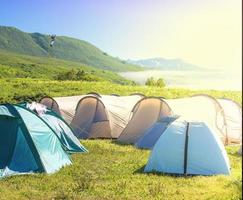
(150, 137)
(27, 143)
(62, 130)
(189, 148)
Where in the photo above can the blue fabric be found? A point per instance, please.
(208, 156)
(206, 153)
(150, 137)
(49, 148)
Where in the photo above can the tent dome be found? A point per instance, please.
(61, 129)
(94, 115)
(51, 104)
(189, 148)
(27, 143)
(91, 119)
(145, 113)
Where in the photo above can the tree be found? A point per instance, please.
(160, 82)
(152, 82)
(80, 74)
(70, 75)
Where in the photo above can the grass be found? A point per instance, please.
(113, 171)
(16, 90)
(109, 170)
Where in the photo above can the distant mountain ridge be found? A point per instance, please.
(65, 48)
(164, 64)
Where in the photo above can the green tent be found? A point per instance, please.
(27, 143)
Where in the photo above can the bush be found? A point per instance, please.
(75, 75)
(157, 83)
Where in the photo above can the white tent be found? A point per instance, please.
(233, 119)
(221, 114)
(94, 115)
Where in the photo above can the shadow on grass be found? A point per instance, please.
(141, 171)
(114, 141)
(235, 154)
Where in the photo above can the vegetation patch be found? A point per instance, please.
(24, 89)
(111, 171)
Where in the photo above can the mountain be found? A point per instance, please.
(164, 64)
(65, 48)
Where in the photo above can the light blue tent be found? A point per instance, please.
(150, 137)
(189, 148)
(28, 144)
(62, 130)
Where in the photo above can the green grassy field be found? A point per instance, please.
(113, 171)
(110, 170)
(16, 90)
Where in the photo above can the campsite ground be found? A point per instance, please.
(110, 170)
(113, 171)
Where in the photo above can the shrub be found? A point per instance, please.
(157, 83)
(76, 75)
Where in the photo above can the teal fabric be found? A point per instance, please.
(5, 112)
(22, 160)
(49, 147)
(64, 132)
(8, 131)
(27, 143)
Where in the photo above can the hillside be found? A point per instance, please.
(66, 48)
(22, 66)
(164, 64)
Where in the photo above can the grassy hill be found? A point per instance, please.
(22, 66)
(66, 48)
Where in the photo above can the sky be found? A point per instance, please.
(206, 33)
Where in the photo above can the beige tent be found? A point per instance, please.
(144, 114)
(91, 119)
(233, 118)
(97, 116)
(50, 104)
(65, 106)
(222, 115)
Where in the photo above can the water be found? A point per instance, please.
(217, 80)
